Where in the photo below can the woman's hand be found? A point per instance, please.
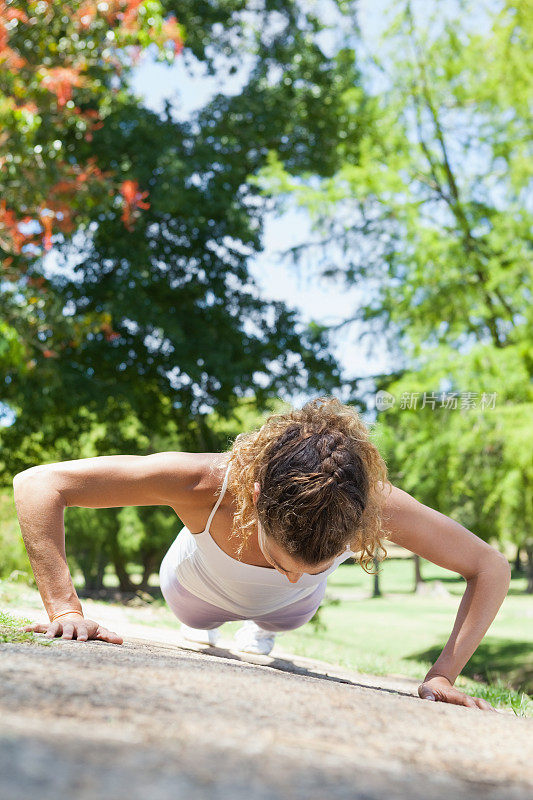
(73, 626)
(439, 688)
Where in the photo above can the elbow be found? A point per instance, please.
(21, 478)
(35, 488)
(505, 566)
(501, 559)
(497, 562)
(18, 480)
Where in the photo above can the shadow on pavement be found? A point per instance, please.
(283, 665)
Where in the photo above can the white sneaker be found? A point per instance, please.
(251, 638)
(199, 635)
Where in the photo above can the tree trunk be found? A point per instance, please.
(119, 564)
(418, 575)
(102, 563)
(93, 571)
(89, 578)
(377, 590)
(529, 551)
(149, 563)
(518, 559)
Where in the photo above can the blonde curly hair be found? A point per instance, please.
(321, 482)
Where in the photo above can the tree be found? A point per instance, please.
(63, 71)
(163, 313)
(376, 592)
(431, 208)
(63, 68)
(466, 453)
(431, 215)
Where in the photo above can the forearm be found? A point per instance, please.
(40, 511)
(484, 594)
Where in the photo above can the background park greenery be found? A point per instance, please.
(413, 161)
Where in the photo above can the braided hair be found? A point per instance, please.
(321, 483)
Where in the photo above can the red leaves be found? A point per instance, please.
(133, 199)
(75, 178)
(8, 57)
(11, 59)
(60, 81)
(11, 238)
(54, 191)
(109, 333)
(129, 191)
(6, 15)
(58, 211)
(46, 222)
(12, 13)
(39, 282)
(91, 115)
(85, 15)
(172, 32)
(30, 107)
(128, 16)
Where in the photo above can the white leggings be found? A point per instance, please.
(197, 613)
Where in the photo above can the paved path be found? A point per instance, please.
(154, 721)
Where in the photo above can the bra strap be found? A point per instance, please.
(222, 492)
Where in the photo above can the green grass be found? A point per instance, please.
(10, 630)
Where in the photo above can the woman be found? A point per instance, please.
(295, 499)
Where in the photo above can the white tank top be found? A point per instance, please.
(205, 570)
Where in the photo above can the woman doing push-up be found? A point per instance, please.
(294, 499)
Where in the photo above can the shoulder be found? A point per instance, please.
(205, 474)
(203, 470)
(206, 479)
(210, 469)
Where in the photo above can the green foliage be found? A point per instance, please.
(13, 557)
(61, 64)
(163, 317)
(11, 349)
(472, 463)
(430, 210)
(88, 533)
(432, 219)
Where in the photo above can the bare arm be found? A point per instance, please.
(449, 544)
(42, 493)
